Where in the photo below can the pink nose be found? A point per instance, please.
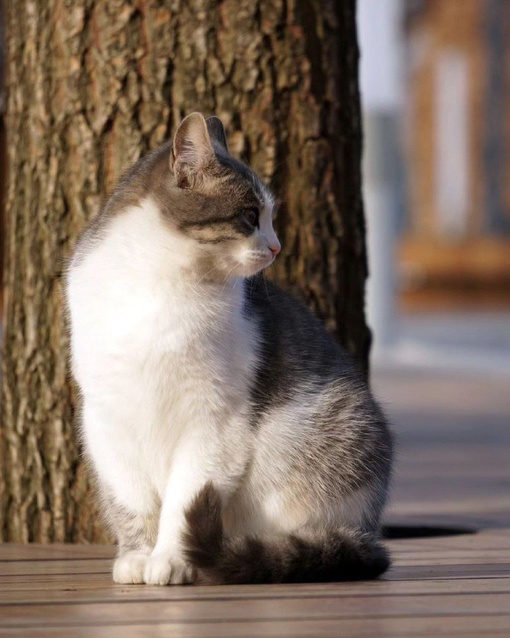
(275, 250)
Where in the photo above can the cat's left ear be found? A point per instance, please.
(217, 131)
(192, 149)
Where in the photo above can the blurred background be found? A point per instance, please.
(435, 80)
(435, 86)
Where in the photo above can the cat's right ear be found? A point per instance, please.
(192, 150)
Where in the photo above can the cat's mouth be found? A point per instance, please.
(263, 258)
(254, 262)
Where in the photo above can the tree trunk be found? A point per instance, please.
(94, 84)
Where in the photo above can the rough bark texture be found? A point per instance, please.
(92, 85)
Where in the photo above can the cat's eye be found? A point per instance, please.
(251, 215)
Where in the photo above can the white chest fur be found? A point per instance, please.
(155, 356)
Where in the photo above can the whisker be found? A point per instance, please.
(265, 286)
(226, 278)
(207, 273)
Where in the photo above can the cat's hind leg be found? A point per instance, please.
(309, 555)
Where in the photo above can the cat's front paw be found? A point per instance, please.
(161, 569)
(129, 568)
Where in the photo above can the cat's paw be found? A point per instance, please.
(161, 569)
(129, 568)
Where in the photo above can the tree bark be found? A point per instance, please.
(94, 84)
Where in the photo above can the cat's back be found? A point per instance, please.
(295, 349)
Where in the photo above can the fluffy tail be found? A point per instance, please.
(338, 556)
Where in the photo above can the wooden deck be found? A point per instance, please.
(453, 469)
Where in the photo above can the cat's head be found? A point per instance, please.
(218, 204)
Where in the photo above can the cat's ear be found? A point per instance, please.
(192, 149)
(217, 131)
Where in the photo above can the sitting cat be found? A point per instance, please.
(232, 438)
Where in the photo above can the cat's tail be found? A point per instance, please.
(337, 556)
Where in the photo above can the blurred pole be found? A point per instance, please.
(380, 24)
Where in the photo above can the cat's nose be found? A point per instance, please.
(275, 249)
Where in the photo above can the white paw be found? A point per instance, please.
(129, 568)
(163, 570)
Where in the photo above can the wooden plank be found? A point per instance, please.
(497, 540)
(52, 581)
(184, 611)
(69, 568)
(409, 571)
(442, 558)
(95, 592)
(419, 626)
(36, 551)
(48, 567)
(491, 540)
(441, 572)
(440, 554)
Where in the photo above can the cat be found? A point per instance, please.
(232, 438)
